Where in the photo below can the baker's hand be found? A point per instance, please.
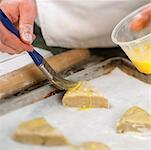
(22, 13)
(142, 20)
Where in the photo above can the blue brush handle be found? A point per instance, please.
(37, 58)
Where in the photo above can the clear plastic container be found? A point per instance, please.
(137, 45)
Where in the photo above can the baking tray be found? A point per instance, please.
(91, 69)
(122, 91)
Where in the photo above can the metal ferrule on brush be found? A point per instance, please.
(49, 72)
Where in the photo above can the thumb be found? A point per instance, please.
(28, 13)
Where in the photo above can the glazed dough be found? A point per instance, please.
(38, 131)
(135, 119)
(94, 146)
(84, 95)
(91, 145)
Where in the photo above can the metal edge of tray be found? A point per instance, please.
(89, 70)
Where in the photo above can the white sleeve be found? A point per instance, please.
(79, 23)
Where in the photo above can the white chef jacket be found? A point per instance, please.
(82, 23)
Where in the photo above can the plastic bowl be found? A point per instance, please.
(137, 45)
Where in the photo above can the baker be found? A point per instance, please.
(66, 23)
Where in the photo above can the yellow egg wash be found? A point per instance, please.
(144, 67)
(88, 93)
(141, 58)
(75, 88)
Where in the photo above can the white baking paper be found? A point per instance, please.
(123, 92)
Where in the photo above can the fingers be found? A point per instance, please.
(6, 49)
(141, 21)
(9, 7)
(22, 13)
(26, 33)
(28, 14)
(10, 40)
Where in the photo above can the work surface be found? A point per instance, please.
(123, 92)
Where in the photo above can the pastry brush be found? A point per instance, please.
(55, 79)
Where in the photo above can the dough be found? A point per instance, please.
(91, 145)
(38, 131)
(135, 119)
(84, 95)
(94, 146)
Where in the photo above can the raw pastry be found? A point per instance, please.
(135, 119)
(94, 146)
(38, 131)
(84, 95)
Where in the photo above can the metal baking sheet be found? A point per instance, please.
(93, 68)
(123, 91)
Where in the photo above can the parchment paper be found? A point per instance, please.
(123, 92)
